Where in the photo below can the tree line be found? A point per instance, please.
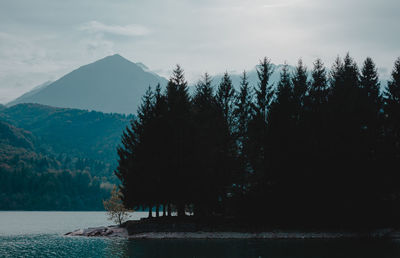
(320, 147)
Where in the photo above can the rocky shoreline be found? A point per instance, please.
(110, 231)
(122, 232)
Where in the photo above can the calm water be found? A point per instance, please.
(40, 234)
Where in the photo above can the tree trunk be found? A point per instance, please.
(157, 210)
(150, 212)
(181, 210)
(169, 210)
(163, 210)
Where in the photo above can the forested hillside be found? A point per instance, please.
(74, 132)
(31, 178)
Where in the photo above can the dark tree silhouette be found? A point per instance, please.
(180, 139)
(258, 145)
(243, 113)
(315, 151)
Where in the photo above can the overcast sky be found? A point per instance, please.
(42, 40)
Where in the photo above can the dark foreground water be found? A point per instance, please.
(40, 234)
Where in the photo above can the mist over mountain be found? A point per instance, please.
(111, 85)
(24, 98)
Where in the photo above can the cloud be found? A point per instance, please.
(130, 30)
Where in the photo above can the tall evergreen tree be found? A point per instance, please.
(132, 169)
(264, 92)
(226, 98)
(243, 113)
(316, 116)
(258, 149)
(392, 105)
(318, 92)
(391, 150)
(210, 134)
(370, 109)
(180, 139)
(280, 136)
(317, 132)
(159, 133)
(345, 144)
(300, 84)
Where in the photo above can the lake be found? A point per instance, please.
(40, 234)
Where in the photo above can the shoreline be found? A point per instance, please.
(122, 232)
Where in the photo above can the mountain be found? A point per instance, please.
(33, 179)
(79, 133)
(26, 96)
(10, 135)
(111, 85)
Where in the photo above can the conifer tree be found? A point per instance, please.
(226, 98)
(133, 169)
(209, 134)
(345, 141)
(159, 133)
(371, 105)
(300, 84)
(318, 92)
(264, 92)
(316, 117)
(180, 140)
(243, 113)
(300, 145)
(392, 107)
(391, 150)
(258, 125)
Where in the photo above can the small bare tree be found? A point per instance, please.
(115, 208)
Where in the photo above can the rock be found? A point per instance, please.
(111, 231)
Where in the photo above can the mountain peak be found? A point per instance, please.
(112, 84)
(113, 58)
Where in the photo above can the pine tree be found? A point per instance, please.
(391, 150)
(133, 170)
(371, 105)
(282, 115)
(258, 148)
(209, 143)
(226, 98)
(300, 84)
(180, 139)
(346, 148)
(243, 113)
(264, 92)
(318, 93)
(392, 102)
(159, 132)
(316, 115)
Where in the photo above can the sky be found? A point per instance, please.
(42, 40)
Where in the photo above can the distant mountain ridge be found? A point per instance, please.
(111, 85)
